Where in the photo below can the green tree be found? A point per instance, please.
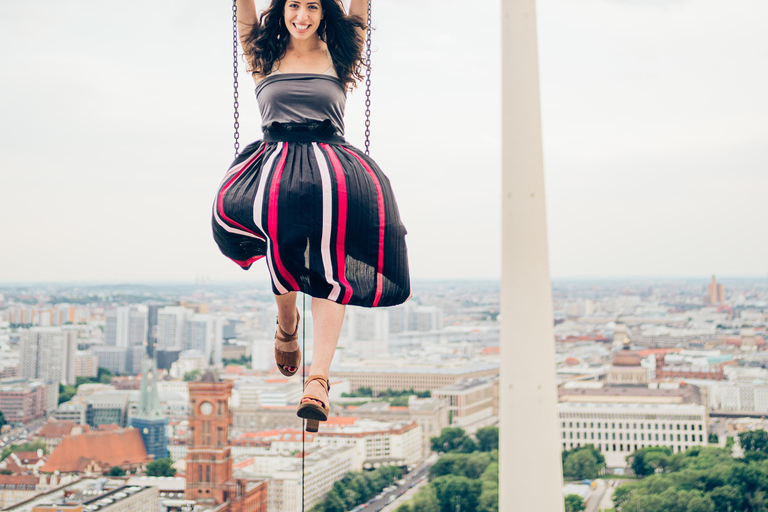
(191, 375)
(116, 471)
(423, 501)
(581, 465)
(713, 438)
(451, 489)
(450, 439)
(2, 418)
(727, 497)
(489, 497)
(66, 393)
(160, 467)
(574, 503)
(756, 440)
(487, 438)
(645, 461)
(104, 375)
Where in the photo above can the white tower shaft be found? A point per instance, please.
(530, 476)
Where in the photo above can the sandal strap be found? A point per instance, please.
(320, 378)
(284, 334)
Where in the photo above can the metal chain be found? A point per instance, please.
(234, 73)
(368, 84)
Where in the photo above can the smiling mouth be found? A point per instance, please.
(301, 27)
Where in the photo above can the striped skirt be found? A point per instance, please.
(323, 214)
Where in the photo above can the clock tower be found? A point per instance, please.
(209, 459)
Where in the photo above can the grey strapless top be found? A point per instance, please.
(301, 98)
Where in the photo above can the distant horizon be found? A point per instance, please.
(230, 282)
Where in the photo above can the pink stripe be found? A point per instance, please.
(380, 201)
(229, 184)
(341, 230)
(248, 262)
(272, 221)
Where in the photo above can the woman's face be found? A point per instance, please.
(302, 17)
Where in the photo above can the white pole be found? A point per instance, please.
(530, 473)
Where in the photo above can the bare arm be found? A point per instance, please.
(359, 8)
(246, 19)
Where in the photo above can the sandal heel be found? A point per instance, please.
(313, 425)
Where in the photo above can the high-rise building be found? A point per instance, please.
(149, 418)
(48, 353)
(172, 327)
(715, 293)
(126, 326)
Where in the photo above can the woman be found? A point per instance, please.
(321, 211)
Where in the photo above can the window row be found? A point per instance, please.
(633, 427)
(622, 437)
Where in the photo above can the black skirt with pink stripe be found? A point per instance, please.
(322, 213)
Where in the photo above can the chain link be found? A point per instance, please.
(235, 75)
(368, 84)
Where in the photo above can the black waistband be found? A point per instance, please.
(303, 132)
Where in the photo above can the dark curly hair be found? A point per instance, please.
(268, 40)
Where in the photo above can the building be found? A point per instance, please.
(17, 488)
(715, 293)
(618, 420)
(418, 378)
(48, 353)
(472, 403)
(96, 452)
(172, 327)
(149, 419)
(54, 431)
(90, 494)
(119, 360)
(126, 326)
(375, 443)
(86, 364)
(209, 458)
(322, 467)
(24, 401)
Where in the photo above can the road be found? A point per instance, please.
(389, 501)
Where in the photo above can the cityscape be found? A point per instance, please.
(167, 397)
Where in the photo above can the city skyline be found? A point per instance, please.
(652, 122)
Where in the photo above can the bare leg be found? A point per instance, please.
(327, 317)
(286, 319)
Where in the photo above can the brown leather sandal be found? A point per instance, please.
(288, 359)
(312, 412)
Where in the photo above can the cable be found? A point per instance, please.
(303, 383)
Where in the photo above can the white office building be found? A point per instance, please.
(126, 326)
(48, 353)
(618, 429)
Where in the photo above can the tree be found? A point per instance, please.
(574, 503)
(2, 419)
(645, 461)
(756, 440)
(450, 439)
(116, 471)
(487, 438)
(581, 465)
(451, 490)
(160, 467)
(104, 375)
(191, 375)
(713, 438)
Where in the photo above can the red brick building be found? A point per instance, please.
(209, 457)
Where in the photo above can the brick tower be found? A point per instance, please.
(209, 460)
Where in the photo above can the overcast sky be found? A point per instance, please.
(116, 128)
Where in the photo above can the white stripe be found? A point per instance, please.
(258, 208)
(229, 228)
(325, 240)
(231, 172)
